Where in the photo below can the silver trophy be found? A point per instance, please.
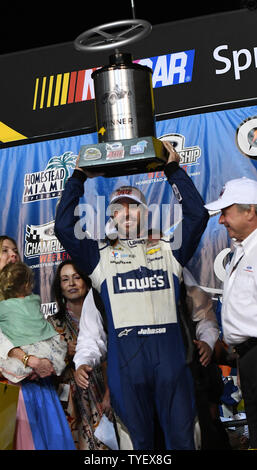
(124, 105)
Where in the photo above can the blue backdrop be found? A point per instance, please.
(214, 147)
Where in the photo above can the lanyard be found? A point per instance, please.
(235, 266)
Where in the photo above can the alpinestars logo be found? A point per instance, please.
(140, 280)
(125, 332)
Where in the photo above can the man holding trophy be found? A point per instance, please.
(147, 370)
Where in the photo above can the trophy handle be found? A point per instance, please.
(112, 35)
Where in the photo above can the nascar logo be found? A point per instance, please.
(143, 279)
(77, 86)
(170, 69)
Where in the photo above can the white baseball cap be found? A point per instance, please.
(238, 191)
(128, 192)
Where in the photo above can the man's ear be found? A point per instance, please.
(251, 213)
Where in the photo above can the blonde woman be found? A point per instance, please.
(40, 421)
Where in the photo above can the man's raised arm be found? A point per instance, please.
(195, 216)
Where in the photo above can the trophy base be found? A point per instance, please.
(124, 157)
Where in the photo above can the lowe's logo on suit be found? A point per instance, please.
(143, 279)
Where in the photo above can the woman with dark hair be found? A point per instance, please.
(83, 408)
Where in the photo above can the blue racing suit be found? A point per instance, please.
(139, 284)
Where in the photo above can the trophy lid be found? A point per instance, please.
(121, 60)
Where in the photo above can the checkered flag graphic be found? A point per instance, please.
(32, 235)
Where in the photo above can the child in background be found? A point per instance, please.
(23, 323)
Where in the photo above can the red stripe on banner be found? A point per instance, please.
(72, 86)
(80, 85)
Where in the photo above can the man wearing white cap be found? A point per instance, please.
(238, 205)
(139, 282)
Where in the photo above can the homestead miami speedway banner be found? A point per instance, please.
(214, 147)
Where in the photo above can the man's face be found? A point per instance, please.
(235, 222)
(127, 218)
